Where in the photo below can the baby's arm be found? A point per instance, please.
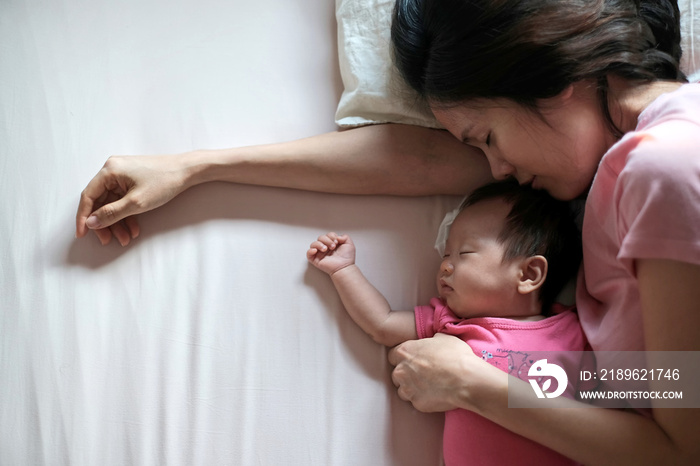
(335, 255)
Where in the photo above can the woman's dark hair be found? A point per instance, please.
(451, 51)
(537, 224)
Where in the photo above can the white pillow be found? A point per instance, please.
(690, 38)
(374, 92)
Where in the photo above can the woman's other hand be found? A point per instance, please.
(124, 187)
(439, 373)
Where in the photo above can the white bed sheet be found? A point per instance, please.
(209, 341)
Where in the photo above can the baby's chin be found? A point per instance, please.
(468, 313)
(461, 312)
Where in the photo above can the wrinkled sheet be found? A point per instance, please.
(209, 340)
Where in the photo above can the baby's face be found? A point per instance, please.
(473, 279)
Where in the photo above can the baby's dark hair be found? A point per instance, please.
(537, 224)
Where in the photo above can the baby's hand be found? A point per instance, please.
(331, 252)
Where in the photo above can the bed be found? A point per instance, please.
(209, 340)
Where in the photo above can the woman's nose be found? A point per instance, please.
(500, 169)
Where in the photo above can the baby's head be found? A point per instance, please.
(509, 253)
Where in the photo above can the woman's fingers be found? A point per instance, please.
(104, 235)
(124, 187)
(88, 199)
(132, 225)
(395, 356)
(124, 231)
(120, 232)
(109, 214)
(102, 202)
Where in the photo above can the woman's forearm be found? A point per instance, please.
(589, 435)
(380, 159)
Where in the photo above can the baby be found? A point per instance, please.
(509, 252)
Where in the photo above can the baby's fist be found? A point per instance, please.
(331, 252)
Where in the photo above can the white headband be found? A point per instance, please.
(444, 229)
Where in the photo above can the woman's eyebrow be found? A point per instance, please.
(464, 136)
(468, 131)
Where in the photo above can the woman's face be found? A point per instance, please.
(558, 152)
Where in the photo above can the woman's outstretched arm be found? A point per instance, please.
(382, 159)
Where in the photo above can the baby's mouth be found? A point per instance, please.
(444, 287)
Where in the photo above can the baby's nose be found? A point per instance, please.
(446, 267)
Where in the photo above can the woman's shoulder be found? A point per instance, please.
(656, 168)
(682, 104)
(666, 142)
(660, 164)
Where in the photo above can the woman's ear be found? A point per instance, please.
(533, 272)
(566, 93)
(559, 100)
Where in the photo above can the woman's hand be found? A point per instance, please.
(124, 187)
(437, 374)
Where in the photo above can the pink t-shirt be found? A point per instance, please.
(644, 203)
(505, 343)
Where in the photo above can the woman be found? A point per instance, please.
(547, 90)
(573, 97)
